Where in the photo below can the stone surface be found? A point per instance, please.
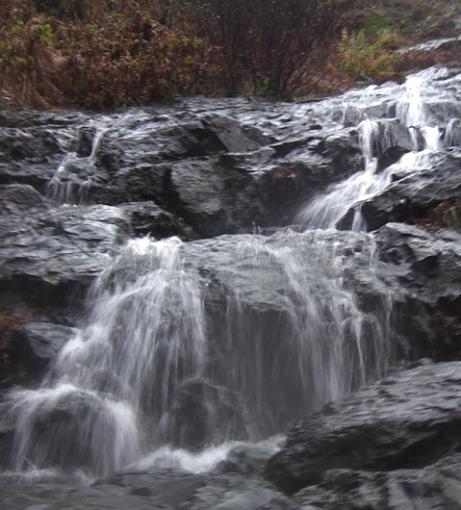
(414, 194)
(431, 488)
(34, 345)
(424, 273)
(47, 254)
(407, 420)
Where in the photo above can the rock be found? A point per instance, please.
(436, 486)
(418, 192)
(246, 459)
(203, 412)
(48, 255)
(390, 156)
(385, 427)
(425, 275)
(147, 218)
(215, 199)
(156, 490)
(392, 133)
(21, 119)
(19, 199)
(34, 345)
(31, 154)
(52, 416)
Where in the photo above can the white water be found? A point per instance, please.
(340, 204)
(192, 349)
(66, 185)
(125, 384)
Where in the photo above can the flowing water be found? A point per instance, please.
(417, 131)
(190, 349)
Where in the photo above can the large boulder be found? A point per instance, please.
(415, 194)
(31, 347)
(423, 272)
(433, 487)
(390, 425)
(47, 255)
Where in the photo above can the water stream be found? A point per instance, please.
(190, 349)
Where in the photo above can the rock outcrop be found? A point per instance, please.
(379, 439)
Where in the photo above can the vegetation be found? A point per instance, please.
(109, 53)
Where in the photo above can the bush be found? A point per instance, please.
(362, 55)
(119, 58)
(265, 44)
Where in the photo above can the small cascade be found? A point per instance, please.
(144, 335)
(339, 206)
(158, 366)
(74, 175)
(327, 211)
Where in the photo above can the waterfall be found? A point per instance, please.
(190, 348)
(67, 186)
(340, 205)
(156, 365)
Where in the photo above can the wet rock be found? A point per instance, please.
(18, 119)
(20, 199)
(147, 218)
(436, 486)
(215, 199)
(33, 345)
(46, 254)
(418, 192)
(385, 427)
(390, 156)
(392, 133)
(202, 412)
(55, 415)
(156, 490)
(246, 459)
(425, 273)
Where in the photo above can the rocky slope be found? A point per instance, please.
(295, 308)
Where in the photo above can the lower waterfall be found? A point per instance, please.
(171, 357)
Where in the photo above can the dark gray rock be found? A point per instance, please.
(36, 344)
(430, 488)
(424, 273)
(147, 218)
(390, 156)
(417, 193)
(156, 490)
(202, 411)
(393, 424)
(46, 254)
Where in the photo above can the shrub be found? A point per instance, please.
(376, 58)
(264, 44)
(116, 59)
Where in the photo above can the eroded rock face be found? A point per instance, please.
(48, 252)
(424, 272)
(417, 193)
(436, 486)
(406, 421)
(34, 345)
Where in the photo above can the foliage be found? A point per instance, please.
(118, 58)
(264, 44)
(109, 53)
(373, 57)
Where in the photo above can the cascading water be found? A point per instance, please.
(154, 367)
(192, 348)
(340, 205)
(66, 186)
